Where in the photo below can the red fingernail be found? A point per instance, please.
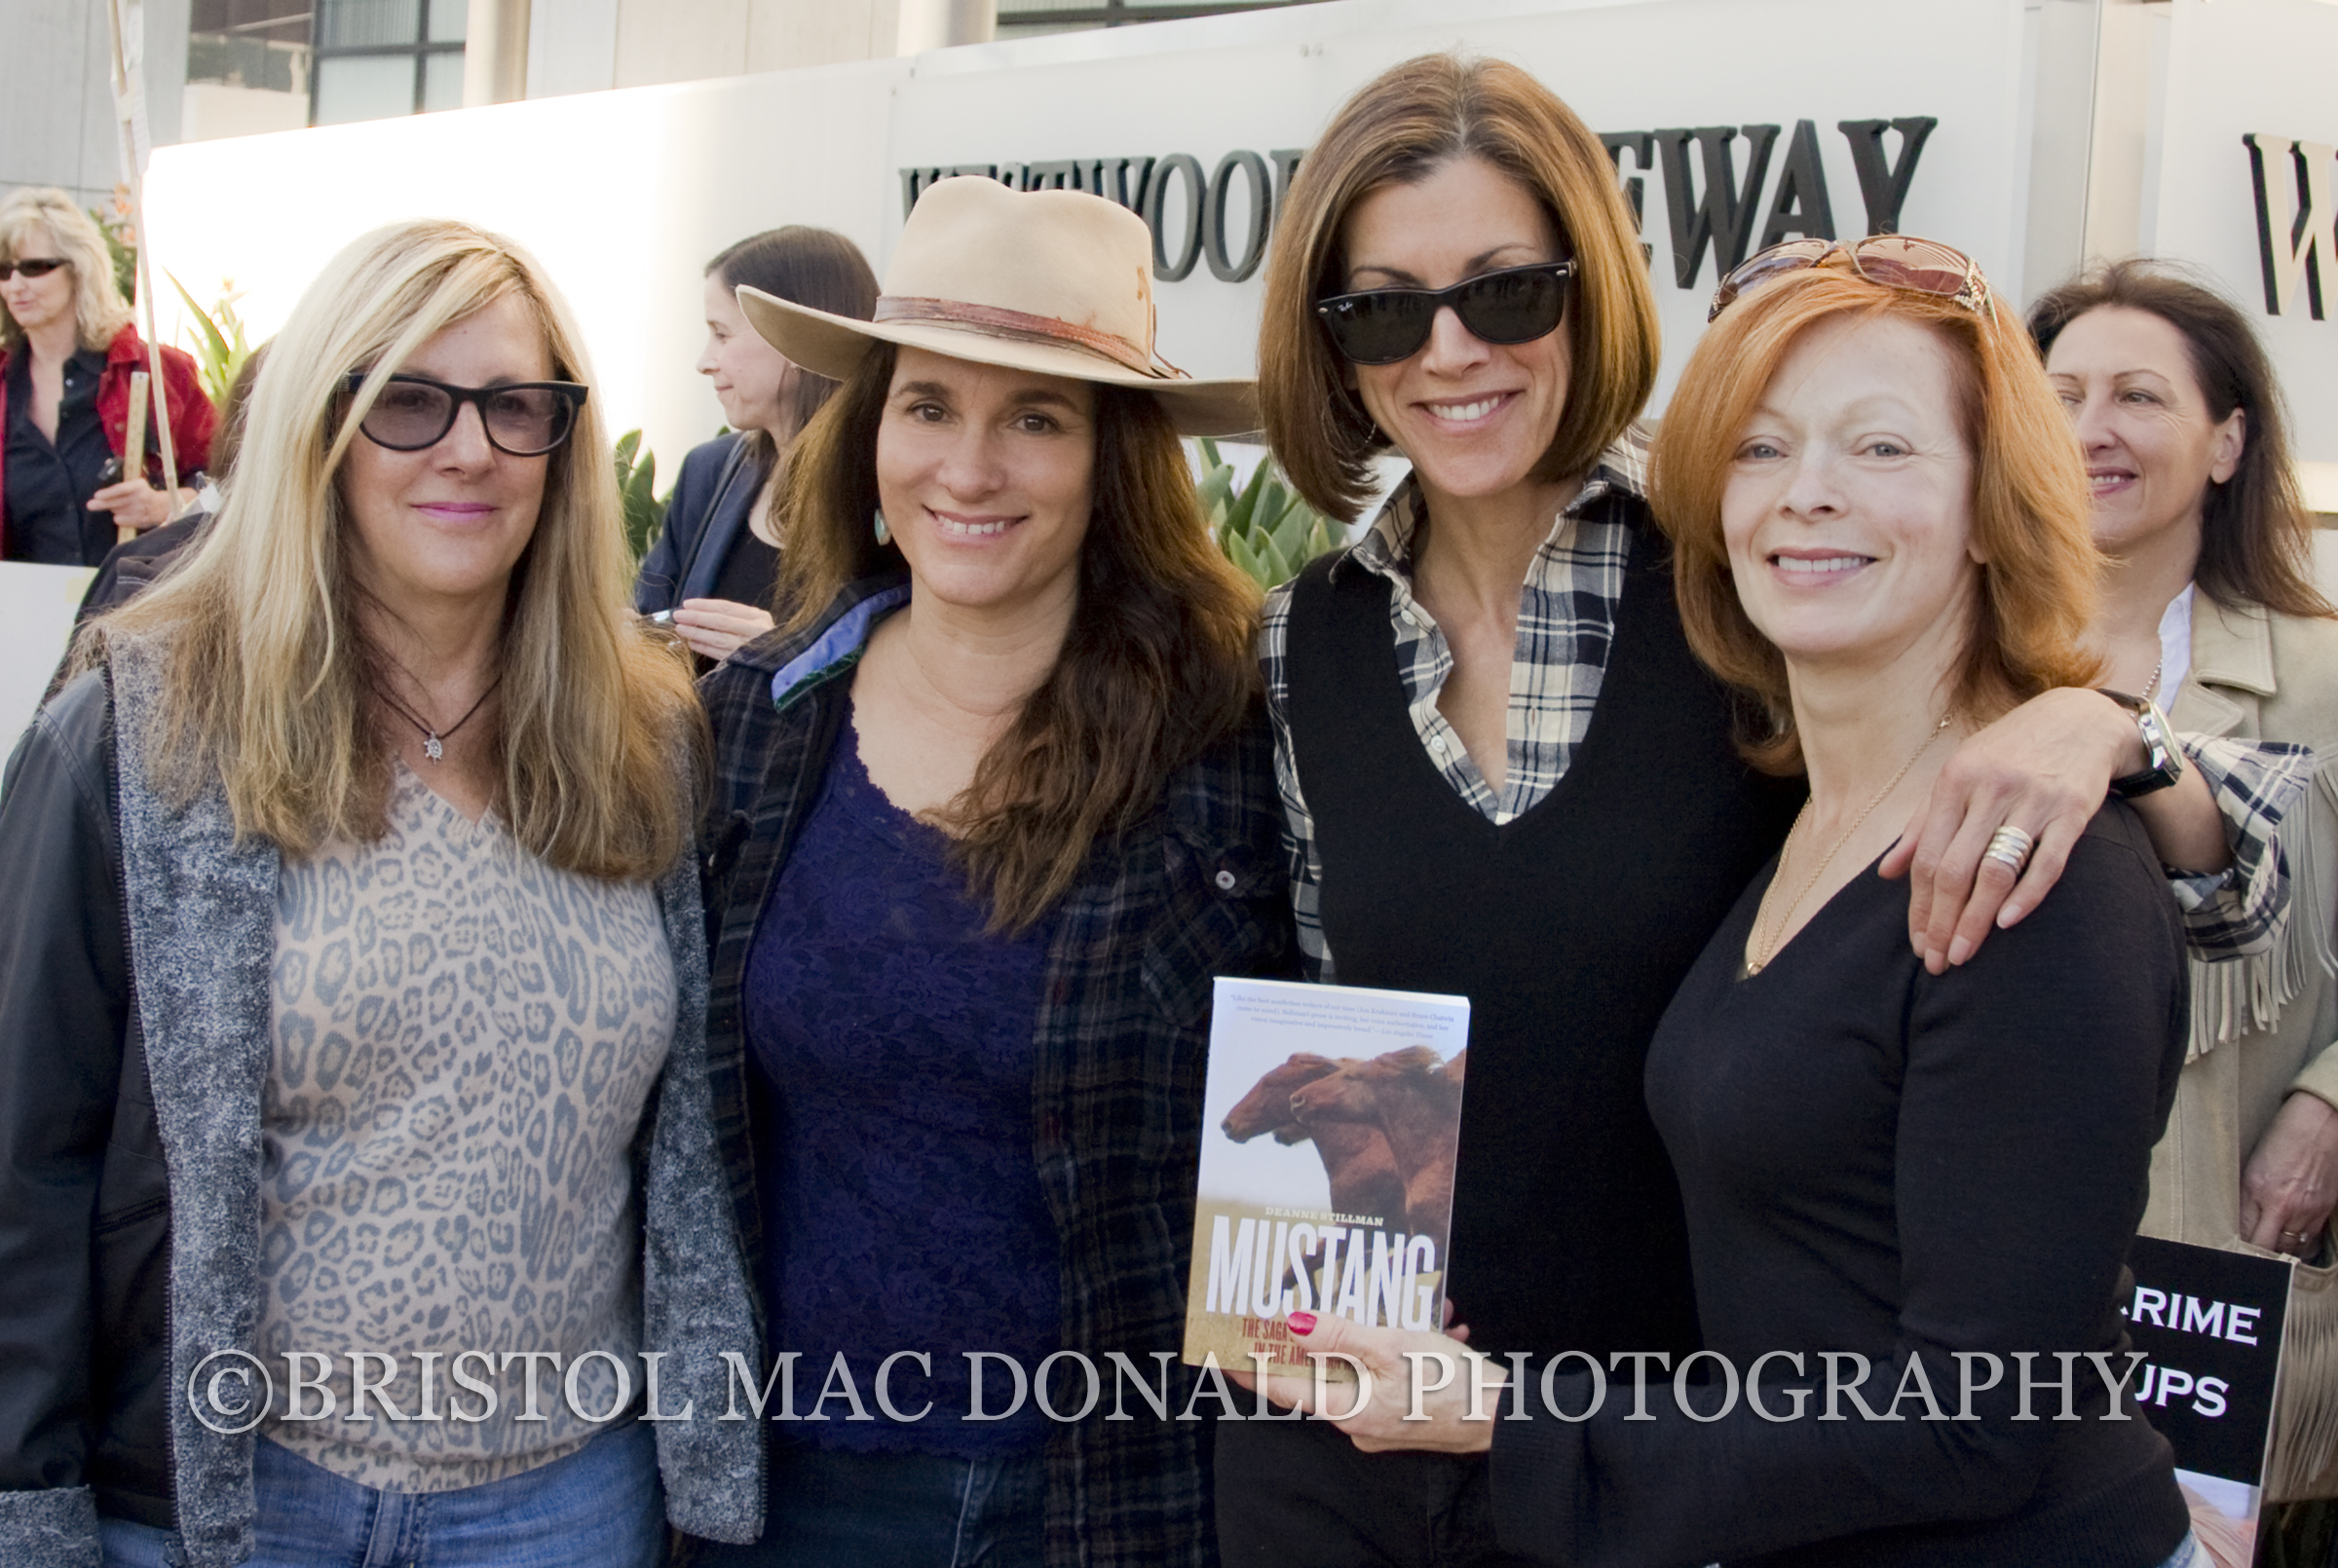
(1302, 1323)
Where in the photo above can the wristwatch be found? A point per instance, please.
(2164, 757)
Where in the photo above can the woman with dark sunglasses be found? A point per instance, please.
(67, 350)
(1503, 773)
(352, 994)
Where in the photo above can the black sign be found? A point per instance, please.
(2211, 1322)
(1710, 206)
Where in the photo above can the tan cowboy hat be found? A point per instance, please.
(1056, 282)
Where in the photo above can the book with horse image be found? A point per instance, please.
(1330, 1121)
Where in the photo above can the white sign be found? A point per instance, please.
(1732, 121)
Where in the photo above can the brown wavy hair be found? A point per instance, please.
(2256, 540)
(2030, 502)
(266, 686)
(1398, 129)
(1155, 669)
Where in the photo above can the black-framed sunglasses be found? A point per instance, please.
(31, 267)
(523, 418)
(1894, 260)
(1378, 327)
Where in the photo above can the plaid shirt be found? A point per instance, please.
(1565, 622)
(1192, 891)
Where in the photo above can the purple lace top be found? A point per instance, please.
(901, 1207)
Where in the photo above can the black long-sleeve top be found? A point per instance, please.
(1880, 1161)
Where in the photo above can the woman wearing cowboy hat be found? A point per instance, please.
(991, 812)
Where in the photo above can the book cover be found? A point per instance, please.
(1326, 1185)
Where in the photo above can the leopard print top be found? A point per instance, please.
(465, 1040)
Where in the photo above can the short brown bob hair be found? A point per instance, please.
(1398, 129)
(2030, 503)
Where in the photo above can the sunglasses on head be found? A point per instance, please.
(1894, 260)
(524, 419)
(31, 267)
(1378, 327)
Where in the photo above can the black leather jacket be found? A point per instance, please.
(85, 1206)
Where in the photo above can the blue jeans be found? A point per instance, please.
(2187, 1553)
(601, 1507)
(827, 1509)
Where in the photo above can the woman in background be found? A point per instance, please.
(2210, 606)
(67, 350)
(714, 565)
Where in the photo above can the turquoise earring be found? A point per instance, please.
(884, 534)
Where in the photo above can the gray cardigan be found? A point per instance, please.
(199, 910)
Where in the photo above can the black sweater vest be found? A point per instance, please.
(1567, 929)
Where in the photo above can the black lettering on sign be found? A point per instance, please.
(1188, 243)
(1798, 206)
(1723, 216)
(1882, 183)
(1233, 269)
(2297, 221)
(1063, 175)
(1119, 180)
(1641, 146)
(1286, 161)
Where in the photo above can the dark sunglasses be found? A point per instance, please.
(1378, 327)
(525, 418)
(1894, 260)
(32, 267)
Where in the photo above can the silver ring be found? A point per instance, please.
(2010, 847)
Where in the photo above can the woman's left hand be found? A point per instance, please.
(717, 627)
(2046, 767)
(135, 503)
(1420, 1396)
(2292, 1181)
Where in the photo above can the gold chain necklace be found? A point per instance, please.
(1765, 925)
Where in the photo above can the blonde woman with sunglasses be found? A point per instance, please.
(1505, 775)
(352, 994)
(67, 350)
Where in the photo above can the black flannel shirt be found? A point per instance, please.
(1192, 891)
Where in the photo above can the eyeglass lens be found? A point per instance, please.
(522, 421)
(31, 267)
(1382, 326)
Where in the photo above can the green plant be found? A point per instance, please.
(121, 242)
(1265, 529)
(636, 487)
(219, 346)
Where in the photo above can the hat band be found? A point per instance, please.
(996, 321)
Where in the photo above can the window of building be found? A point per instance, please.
(1027, 18)
(248, 67)
(375, 58)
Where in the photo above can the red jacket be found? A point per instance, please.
(193, 421)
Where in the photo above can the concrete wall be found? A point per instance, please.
(57, 97)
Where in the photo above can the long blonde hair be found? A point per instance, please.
(601, 742)
(98, 308)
